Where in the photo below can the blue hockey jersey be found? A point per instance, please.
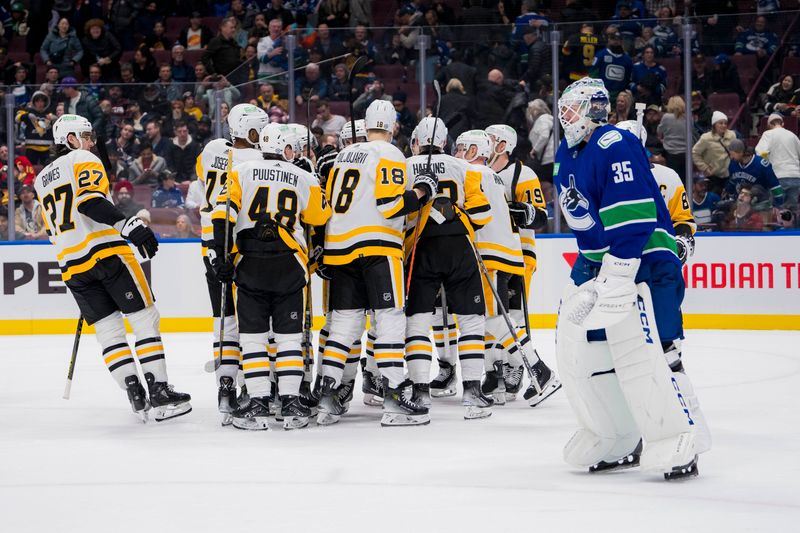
(614, 69)
(748, 42)
(757, 171)
(640, 72)
(611, 200)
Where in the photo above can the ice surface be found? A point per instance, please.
(87, 464)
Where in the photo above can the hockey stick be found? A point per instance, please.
(74, 357)
(308, 314)
(446, 331)
(428, 169)
(507, 319)
(226, 257)
(357, 67)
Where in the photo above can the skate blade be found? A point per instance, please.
(629, 461)
(443, 393)
(402, 419)
(683, 472)
(372, 400)
(226, 419)
(511, 396)
(165, 412)
(295, 422)
(327, 419)
(142, 415)
(256, 423)
(473, 412)
(549, 389)
(499, 398)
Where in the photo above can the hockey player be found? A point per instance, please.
(529, 212)
(444, 258)
(501, 250)
(269, 201)
(363, 253)
(610, 328)
(100, 270)
(245, 122)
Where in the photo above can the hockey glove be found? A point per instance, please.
(522, 213)
(134, 231)
(223, 270)
(427, 183)
(615, 286)
(315, 257)
(685, 245)
(327, 157)
(304, 163)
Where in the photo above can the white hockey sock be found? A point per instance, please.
(451, 354)
(372, 366)
(149, 349)
(231, 351)
(289, 363)
(110, 333)
(390, 329)
(256, 364)
(345, 326)
(418, 347)
(471, 346)
(351, 365)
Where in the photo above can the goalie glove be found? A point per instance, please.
(616, 291)
(685, 244)
(522, 213)
(134, 231)
(427, 183)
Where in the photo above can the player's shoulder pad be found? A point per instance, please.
(388, 151)
(85, 156)
(610, 137)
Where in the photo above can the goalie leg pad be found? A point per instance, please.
(149, 349)
(654, 398)
(607, 431)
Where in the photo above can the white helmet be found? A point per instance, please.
(246, 117)
(582, 107)
(634, 127)
(273, 140)
(381, 115)
(301, 138)
(346, 133)
(423, 133)
(67, 124)
(502, 132)
(478, 138)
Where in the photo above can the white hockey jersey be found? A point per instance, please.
(365, 189)
(212, 171)
(497, 242)
(290, 196)
(528, 190)
(674, 193)
(80, 242)
(459, 181)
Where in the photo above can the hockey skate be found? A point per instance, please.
(371, 386)
(513, 380)
(494, 384)
(137, 397)
(629, 461)
(477, 404)
(165, 401)
(226, 399)
(344, 393)
(683, 472)
(243, 397)
(275, 402)
(546, 384)
(444, 384)
(330, 410)
(253, 416)
(422, 394)
(399, 408)
(308, 398)
(295, 414)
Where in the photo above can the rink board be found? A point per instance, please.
(741, 281)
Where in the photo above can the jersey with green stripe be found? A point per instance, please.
(611, 200)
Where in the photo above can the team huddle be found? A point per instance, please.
(435, 246)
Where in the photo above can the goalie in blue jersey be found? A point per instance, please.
(620, 325)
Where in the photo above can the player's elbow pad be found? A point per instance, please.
(101, 210)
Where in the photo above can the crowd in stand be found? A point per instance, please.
(147, 75)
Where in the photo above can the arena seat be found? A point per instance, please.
(791, 65)
(748, 70)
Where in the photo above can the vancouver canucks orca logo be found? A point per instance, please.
(575, 207)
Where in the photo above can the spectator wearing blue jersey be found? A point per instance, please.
(612, 64)
(649, 73)
(747, 168)
(528, 18)
(666, 40)
(627, 23)
(704, 202)
(167, 194)
(757, 40)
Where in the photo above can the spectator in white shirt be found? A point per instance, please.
(330, 123)
(782, 148)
